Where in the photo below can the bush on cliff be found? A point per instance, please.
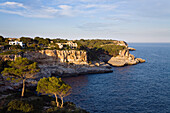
(19, 105)
(112, 50)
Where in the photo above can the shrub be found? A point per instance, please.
(50, 110)
(14, 47)
(8, 52)
(19, 105)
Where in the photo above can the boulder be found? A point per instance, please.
(116, 62)
(97, 64)
(106, 66)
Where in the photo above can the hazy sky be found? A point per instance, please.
(129, 20)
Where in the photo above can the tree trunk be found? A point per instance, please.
(56, 99)
(61, 102)
(23, 87)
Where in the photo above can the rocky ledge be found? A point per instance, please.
(125, 58)
(64, 70)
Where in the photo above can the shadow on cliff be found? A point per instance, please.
(98, 54)
(43, 57)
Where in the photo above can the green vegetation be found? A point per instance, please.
(97, 47)
(112, 50)
(21, 69)
(19, 105)
(58, 40)
(26, 40)
(3, 64)
(3, 41)
(15, 47)
(34, 103)
(109, 47)
(54, 86)
(9, 52)
(41, 41)
(95, 42)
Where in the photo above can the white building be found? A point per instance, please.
(16, 43)
(70, 43)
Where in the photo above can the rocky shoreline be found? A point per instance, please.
(65, 70)
(125, 58)
(59, 70)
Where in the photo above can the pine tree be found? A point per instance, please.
(20, 70)
(54, 86)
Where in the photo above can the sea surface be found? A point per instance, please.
(141, 88)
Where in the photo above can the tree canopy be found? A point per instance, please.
(54, 86)
(2, 39)
(26, 40)
(21, 69)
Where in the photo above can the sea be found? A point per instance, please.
(141, 88)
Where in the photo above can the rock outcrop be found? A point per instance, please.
(11, 57)
(131, 49)
(124, 58)
(122, 43)
(140, 60)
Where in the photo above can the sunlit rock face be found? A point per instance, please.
(55, 56)
(124, 58)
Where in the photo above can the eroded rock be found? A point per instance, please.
(124, 58)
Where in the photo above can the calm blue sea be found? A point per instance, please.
(142, 88)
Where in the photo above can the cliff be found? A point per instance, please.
(55, 56)
(64, 63)
(61, 62)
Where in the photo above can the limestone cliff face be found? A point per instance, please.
(72, 56)
(55, 56)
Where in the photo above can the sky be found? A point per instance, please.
(128, 20)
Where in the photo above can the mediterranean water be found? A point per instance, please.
(141, 88)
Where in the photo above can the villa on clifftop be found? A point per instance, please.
(16, 43)
(71, 44)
